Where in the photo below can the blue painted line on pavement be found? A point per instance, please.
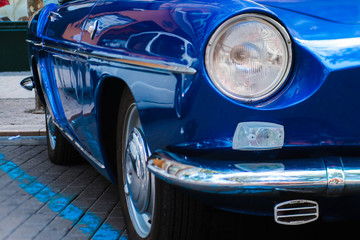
(87, 222)
(106, 233)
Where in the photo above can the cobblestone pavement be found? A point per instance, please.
(40, 200)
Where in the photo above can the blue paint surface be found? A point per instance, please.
(82, 72)
(88, 223)
(315, 105)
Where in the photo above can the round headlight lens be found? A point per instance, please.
(248, 57)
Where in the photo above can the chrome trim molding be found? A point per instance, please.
(151, 64)
(36, 44)
(79, 147)
(135, 61)
(320, 176)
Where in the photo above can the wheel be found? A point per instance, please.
(152, 208)
(60, 151)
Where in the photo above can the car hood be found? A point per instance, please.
(344, 11)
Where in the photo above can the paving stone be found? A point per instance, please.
(40, 200)
(58, 226)
(33, 226)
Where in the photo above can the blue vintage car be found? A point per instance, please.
(247, 106)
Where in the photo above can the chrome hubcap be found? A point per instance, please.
(137, 176)
(50, 130)
(138, 187)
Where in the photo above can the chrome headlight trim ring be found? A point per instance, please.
(277, 28)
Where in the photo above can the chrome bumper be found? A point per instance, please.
(329, 176)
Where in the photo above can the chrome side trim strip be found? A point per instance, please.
(36, 44)
(135, 61)
(159, 65)
(79, 147)
(320, 176)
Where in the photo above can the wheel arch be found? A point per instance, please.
(110, 94)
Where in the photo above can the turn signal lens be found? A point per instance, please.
(258, 136)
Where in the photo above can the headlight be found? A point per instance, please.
(248, 58)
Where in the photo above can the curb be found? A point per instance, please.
(34, 140)
(17, 117)
(22, 130)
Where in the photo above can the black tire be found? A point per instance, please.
(60, 150)
(174, 214)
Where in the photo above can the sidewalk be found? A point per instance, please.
(17, 105)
